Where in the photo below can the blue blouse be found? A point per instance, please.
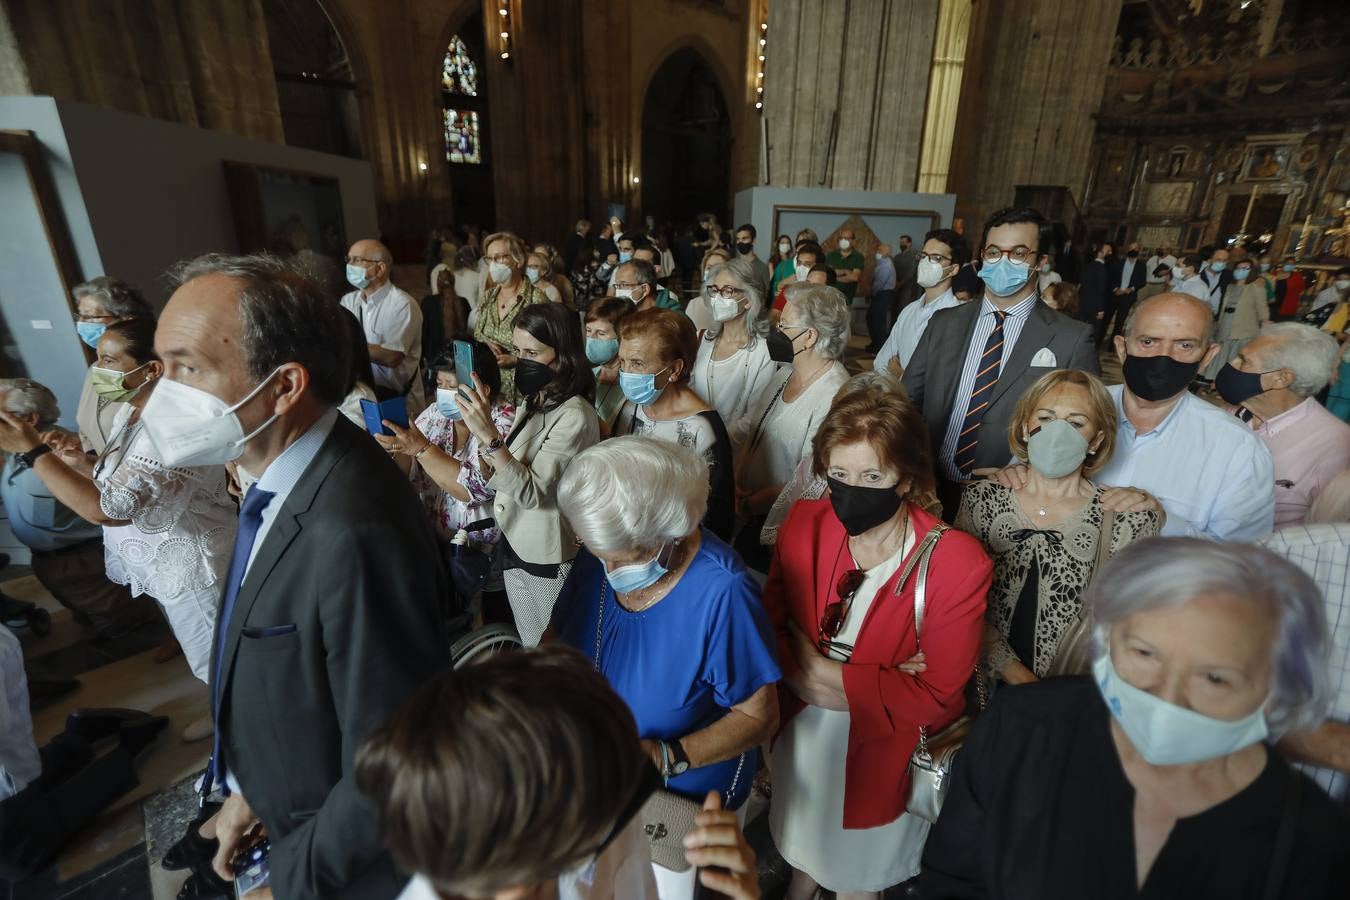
(680, 665)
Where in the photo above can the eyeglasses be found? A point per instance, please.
(1020, 253)
(501, 258)
(725, 291)
(104, 318)
(361, 260)
(937, 258)
(835, 613)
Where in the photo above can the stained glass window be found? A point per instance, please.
(459, 74)
(461, 136)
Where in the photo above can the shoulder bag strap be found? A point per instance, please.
(920, 559)
(1284, 838)
(1104, 540)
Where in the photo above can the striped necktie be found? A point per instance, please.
(986, 376)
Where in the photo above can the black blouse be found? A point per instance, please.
(1040, 809)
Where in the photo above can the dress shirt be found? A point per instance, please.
(1152, 266)
(1198, 288)
(19, 760)
(1323, 551)
(1310, 447)
(281, 477)
(1126, 273)
(1013, 322)
(42, 523)
(883, 276)
(909, 327)
(392, 319)
(1212, 475)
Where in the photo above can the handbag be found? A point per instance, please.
(666, 817)
(1073, 654)
(930, 765)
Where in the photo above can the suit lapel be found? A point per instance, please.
(954, 354)
(1036, 333)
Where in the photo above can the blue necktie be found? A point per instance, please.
(250, 520)
(986, 376)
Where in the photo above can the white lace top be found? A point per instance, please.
(182, 521)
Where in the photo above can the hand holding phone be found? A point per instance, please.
(718, 847)
(464, 363)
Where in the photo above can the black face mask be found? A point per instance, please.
(1235, 385)
(1155, 378)
(780, 347)
(744, 249)
(860, 509)
(1132, 254)
(532, 376)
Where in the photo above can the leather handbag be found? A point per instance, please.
(1073, 654)
(666, 817)
(931, 763)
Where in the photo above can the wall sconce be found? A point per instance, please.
(421, 167)
(759, 66)
(636, 180)
(504, 15)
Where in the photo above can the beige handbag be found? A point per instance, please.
(930, 765)
(1073, 654)
(666, 817)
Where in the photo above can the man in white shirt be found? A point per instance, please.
(1214, 278)
(392, 321)
(944, 253)
(1337, 290)
(1160, 257)
(1186, 278)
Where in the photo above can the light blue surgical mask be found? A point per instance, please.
(625, 256)
(1289, 267)
(1005, 277)
(447, 404)
(532, 273)
(90, 332)
(1169, 735)
(1217, 266)
(637, 576)
(1056, 449)
(356, 276)
(639, 387)
(600, 350)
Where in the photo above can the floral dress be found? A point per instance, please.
(447, 511)
(497, 328)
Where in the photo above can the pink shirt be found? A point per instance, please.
(1310, 447)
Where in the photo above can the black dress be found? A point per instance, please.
(1040, 809)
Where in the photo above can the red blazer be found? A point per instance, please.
(886, 706)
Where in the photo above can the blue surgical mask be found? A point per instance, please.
(356, 276)
(625, 256)
(1005, 277)
(90, 332)
(637, 576)
(639, 387)
(1217, 266)
(1289, 267)
(532, 273)
(1169, 735)
(1265, 267)
(447, 404)
(600, 350)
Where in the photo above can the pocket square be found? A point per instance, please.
(1044, 358)
(267, 632)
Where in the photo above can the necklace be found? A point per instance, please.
(656, 594)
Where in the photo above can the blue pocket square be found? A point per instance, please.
(271, 631)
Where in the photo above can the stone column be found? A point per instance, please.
(1033, 82)
(846, 85)
(944, 94)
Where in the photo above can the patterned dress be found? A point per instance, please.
(447, 511)
(1047, 569)
(497, 328)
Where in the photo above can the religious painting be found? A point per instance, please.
(459, 73)
(1158, 235)
(1265, 163)
(1168, 198)
(1112, 179)
(1176, 160)
(462, 143)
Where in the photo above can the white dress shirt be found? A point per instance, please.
(910, 326)
(1152, 266)
(392, 320)
(1126, 273)
(1198, 288)
(1212, 475)
(19, 760)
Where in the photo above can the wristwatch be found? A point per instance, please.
(492, 447)
(27, 459)
(677, 761)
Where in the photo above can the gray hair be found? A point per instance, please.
(119, 298)
(286, 318)
(1308, 352)
(643, 272)
(1159, 572)
(633, 493)
(824, 309)
(24, 397)
(870, 380)
(748, 280)
(1211, 329)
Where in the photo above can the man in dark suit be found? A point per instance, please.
(330, 613)
(578, 245)
(1127, 277)
(975, 360)
(1094, 293)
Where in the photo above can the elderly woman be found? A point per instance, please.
(101, 302)
(775, 433)
(1241, 314)
(733, 356)
(510, 293)
(656, 352)
(698, 310)
(1046, 539)
(668, 614)
(1153, 778)
(555, 422)
(859, 682)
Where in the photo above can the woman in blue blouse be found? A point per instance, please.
(668, 614)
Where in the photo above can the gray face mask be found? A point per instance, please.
(1056, 449)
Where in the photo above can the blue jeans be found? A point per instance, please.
(879, 317)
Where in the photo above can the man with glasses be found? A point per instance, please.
(635, 281)
(391, 319)
(974, 361)
(944, 253)
(645, 251)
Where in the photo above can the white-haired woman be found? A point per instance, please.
(1153, 778)
(668, 613)
(775, 433)
(733, 361)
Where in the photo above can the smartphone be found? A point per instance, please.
(464, 363)
(705, 893)
(251, 869)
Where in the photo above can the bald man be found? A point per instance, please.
(392, 321)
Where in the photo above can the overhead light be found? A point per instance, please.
(505, 55)
(422, 166)
(636, 180)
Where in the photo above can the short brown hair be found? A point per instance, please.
(466, 775)
(1066, 298)
(1101, 407)
(893, 425)
(670, 332)
(609, 309)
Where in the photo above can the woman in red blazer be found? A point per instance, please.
(856, 687)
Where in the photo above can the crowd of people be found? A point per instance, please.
(735, 566)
